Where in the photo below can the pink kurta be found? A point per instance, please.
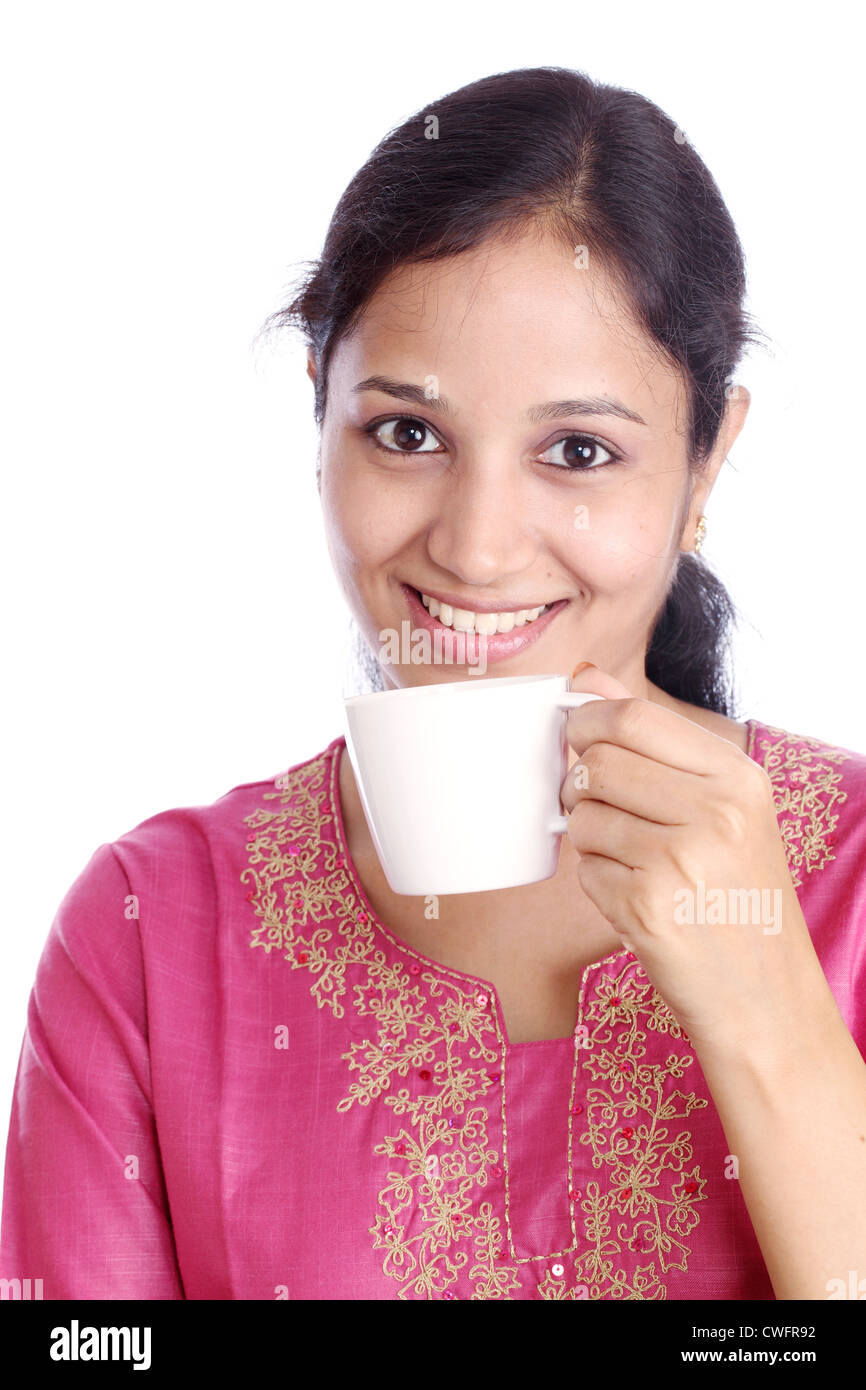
(236, 1083)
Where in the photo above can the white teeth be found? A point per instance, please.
(463, 620)
(485, 624)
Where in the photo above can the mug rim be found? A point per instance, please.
(469, 683)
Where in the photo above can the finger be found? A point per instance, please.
(652, 730)
(607, 886)
(588, 677)
(639, 785)
(596, 828)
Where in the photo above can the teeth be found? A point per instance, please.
(486, 624)
(462, 620)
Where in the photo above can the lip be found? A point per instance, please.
(498, 647)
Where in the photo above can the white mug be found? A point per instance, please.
(460, 781)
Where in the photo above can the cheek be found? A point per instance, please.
(366, 523)
(614, 541)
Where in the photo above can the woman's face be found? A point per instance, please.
(531, 454)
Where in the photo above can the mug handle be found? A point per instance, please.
(569, 699)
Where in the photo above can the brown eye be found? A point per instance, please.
(407, 435)
(581, 453)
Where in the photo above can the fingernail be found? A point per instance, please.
(581, 666)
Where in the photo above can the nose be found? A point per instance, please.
(483, 528)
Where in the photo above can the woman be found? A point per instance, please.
(251, 1070)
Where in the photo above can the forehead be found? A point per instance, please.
(508, 320)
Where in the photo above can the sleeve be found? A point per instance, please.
(85, 1208)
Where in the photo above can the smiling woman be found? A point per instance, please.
(540, 229)
(477, 490)
(522, 335)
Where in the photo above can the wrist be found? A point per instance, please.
(775, 1047)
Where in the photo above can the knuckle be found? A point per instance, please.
(593, 760)
(731, 820)
(577, 822)
(630, 716)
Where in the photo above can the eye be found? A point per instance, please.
(407, 433)
(582, 454)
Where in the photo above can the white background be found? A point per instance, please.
(171, 625)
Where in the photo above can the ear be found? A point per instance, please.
(736, 409)
(311, 364)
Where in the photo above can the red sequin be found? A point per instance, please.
(424, 1075)
(577, 1110)
(415, 968)
(628, 1132)
(303, 957)
(399, 1148)
(362, 917)
(691, 1187)
(497, 1171)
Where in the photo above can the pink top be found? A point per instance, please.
(236, 1083)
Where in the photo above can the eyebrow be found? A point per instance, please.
(548, 410)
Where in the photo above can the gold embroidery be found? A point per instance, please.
(627, 1119)
(806, 794)
(645, 1202)
(298, 881)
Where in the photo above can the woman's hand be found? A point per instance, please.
(681, 851)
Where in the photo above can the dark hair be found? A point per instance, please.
(600, 167)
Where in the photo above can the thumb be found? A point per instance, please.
(586, 676)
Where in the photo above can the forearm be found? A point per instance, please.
(793, 1109)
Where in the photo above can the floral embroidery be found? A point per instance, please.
(806, 793)
(650, 1193)
(434, 1223)
(553, 1287)
(426, 1227)
(429, 1227)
